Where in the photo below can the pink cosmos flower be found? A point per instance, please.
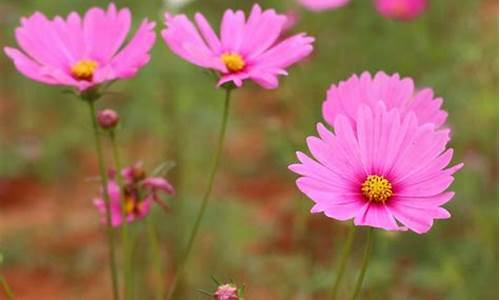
(139, 193)
(81, 52)
(404, 10)
(319, 5)
(346, 98)
(246, 49)
(387, 169)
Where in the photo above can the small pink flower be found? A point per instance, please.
(346, 97)
(246, 49)
(81, 52)
(404, 10)
(319, 5)
(387, 169)
(226, 292)
(138, 194)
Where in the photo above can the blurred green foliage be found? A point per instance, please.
(171, 111)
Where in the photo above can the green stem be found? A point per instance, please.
(156, 258)
(127, 265)
(366, 258)
(6, 288)
(204, 202)
(104, 182)
(343, 260)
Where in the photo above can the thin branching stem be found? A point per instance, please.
(204, 202)
(104, 182)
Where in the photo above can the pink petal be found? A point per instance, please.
(232, 30)
(423, 202)
(284, 54)
(115, 204)
(136, 54)
(347, 96)
(159, 183)
(208, 33)
(319, 5)
(262, 31)
(417, 219)
(320, 191)
(105, 31)
(184, 40)
(430, 186)
(38, 38)
(344, 211)
(376, 215)
(29, 68)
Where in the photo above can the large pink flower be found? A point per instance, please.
(346, 97)
(134, 202)
(404, 10)
(319, 5)
(388, 169)
(81, 52)
(246, 49)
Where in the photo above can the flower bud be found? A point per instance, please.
(107, 118)
(226, 292)
(137, 172)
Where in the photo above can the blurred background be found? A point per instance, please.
(258, 230)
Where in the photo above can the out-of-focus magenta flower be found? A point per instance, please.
(226, 292)
(138, 194)
(319, 5)
(385, 169)
(346, 97)
(81, 52)
(403, 10)
(246, 49)
(292, 18)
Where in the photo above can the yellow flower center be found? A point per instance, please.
(84, 69)
(233, 61)
(376, 188)
(129, 205)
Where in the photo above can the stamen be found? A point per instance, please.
(233, 61)
(376, 188)
(129, 206)
(84, 69)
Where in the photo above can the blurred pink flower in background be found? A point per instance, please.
(246, 49)
(404, 10)
(388, 168)
(347, 96)
(81, 52)
(138, 194)
(319, 5)
(226, 292)
(292, 18)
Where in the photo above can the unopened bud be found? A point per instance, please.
(107, 118)
(226, 292)
(138, 172)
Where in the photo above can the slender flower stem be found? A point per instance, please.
(6, 288)
(204, 202)
(366, 258)
(127, 265)
(156, 258)
(343, 260)
(104, 182)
